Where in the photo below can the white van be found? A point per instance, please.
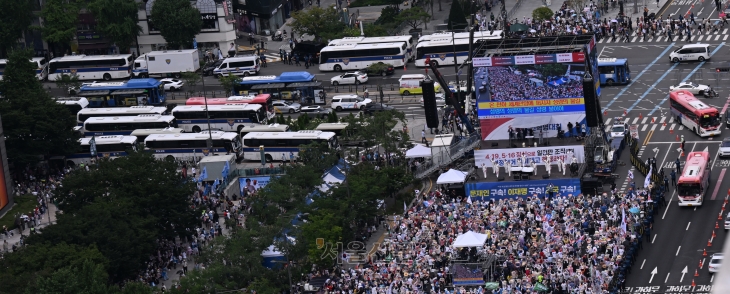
(349, 102)
(699, 52)
(240, 66)
(411, 84)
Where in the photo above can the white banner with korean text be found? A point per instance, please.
(536, 154)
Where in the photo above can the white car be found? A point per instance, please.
(73, 90)
(281, 106)
(619, 130)
(697, 89)
(440, 100)
(715, 262)
(349, 102)
(349, 78)
(172, 84)
(725, 148)
(727, 222)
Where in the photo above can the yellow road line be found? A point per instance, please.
(665, 8)
(648, 137)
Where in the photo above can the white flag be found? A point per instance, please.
(468, 200)
(623, 221)
(647, 181)
(405, 207)
(631, 175)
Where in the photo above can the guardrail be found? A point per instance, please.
(446, 157)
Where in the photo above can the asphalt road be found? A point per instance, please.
(679, 235)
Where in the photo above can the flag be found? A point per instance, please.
(647, 181)
(203, 174)
(631, 175)
(405, 207)
(623, 221)
(539, 287)
(468, 200)
(226, 169)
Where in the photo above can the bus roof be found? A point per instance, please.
(192, 136)
(131, 109)
(131, 84)
(254, 99)
(138, 118)
(265, 128)
(252, 107)
(695, 166)
(445, 41)
(688, 100)
(102, 140)
(368, 40)
(284, 135)
(89, 57)
(147, 132)
(83, 102)
(479, 34)
(332, 126)
(350, 46)
(285, 77)
(612, 61)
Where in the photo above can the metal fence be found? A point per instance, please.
(448, 156)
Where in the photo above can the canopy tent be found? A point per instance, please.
(451, 177)
(333, 177)
(470, 239)
(418, 151)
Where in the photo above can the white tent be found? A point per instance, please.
(418, 151)
(451, 177)
(470, 239)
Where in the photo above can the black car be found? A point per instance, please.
(379, 69)
(316, 111)
(210, 66)
(372, 108)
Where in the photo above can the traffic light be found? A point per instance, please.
(429, 104)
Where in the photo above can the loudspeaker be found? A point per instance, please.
(429, 104)
(594, 117)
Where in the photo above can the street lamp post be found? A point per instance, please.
(207, 116)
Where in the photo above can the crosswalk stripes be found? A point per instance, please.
(696, 37)
(648, 123)
(271, 57)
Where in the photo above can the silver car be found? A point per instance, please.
(440, 100)
(281, 106)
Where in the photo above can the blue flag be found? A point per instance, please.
(226, 169)
(203, 174)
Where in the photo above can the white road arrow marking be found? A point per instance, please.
(679, 149)
(684, 271)
(707, 149)
(652, 275)
(656, 150)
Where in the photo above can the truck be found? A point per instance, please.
(164, 64)
(214, 165)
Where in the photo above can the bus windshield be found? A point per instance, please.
(709, 120)
(689, 189)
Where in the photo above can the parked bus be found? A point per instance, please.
(358, 56)
(498, 34)
(264, 100)
(258, 84)
(192, 146)
(346, 136)
(125, 125)
(614, 71)
(96, 67)
(40, 63)
(280, 145)
(142, 134)
(702, 119)
(229, 118)
(408, 39)
(272, 128)
(123, 94)
(87, 113)
(106, 147)
(73, 104)
(441, 51)
(694, 182)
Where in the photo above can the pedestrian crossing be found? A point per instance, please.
(647, 123)
(271, 57)
(721, 35)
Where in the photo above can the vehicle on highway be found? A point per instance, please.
(697, 89)
(440, 51)
(92, 67)
(209, 67)
(689, 52)
(279, 145)
(106, 147)
(715, 262)
(188, 146)
(379, 69)
(272, 128)
(477, 35)
(440, 100)
(122, 94)
(408, 39)
(167, 63)
(350, 78)
(40, 63)
(281, 106)
(725, 147)
(172, 84)
(614, 71)
(125, 125)
(356, 56)
(374, 108)
(694, 182)
(349, 102)
(702, 119)
(316, 111)
(87, 113)
(231, 117)
(619, 129)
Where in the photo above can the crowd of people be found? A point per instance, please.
(509, 84)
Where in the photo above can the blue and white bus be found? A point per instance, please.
(614, 71)
(123, 94)
(125, 125)
(106, 147)
(229, 118)
(96, 67)
(87, 113)
(353, 56)
(278, 145)
(40, 63)
(378, 40)
(187, 146)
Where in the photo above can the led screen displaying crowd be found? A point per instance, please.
(529, 82)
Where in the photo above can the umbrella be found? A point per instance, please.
(491, 286)
(518, 27)
(634, 210)
(540, 287)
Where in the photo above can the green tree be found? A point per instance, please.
(322, 23)
(34, 124)
(16, 15)
(228, 82)
(178, 22)
(59, 26)
(88, 278)
(457, 17)
(68, 82)
(542, 14)
(117, 21)
(414, 17)
(321, 233)
(191, 80)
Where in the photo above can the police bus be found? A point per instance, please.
(106, 147)
(125, 125)
(87, 113)
(280, 145)
(231, 118)
(187, 146)
(358, 56)
(96, 67)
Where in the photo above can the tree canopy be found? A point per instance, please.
(59, 23)
(34, 124)
(17, 15)
(414, 17)
(541, 14)
(178, 22)
(117, 21)
(457, 17)
(322, 23)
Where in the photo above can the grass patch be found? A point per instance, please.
(364, 3)
(23, 204)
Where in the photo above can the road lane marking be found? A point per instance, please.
(608, 121)
(680, 247)
(717, 37)
(644, 128)
(674, 65)
(726, 104)
(718, 182)
(648, 137)
(687, 229)
(668, 203)
(661, 121)
(653, 127)
(646, 69)
(635, 120)
(653, 239)
(643, 121)
(642, 264)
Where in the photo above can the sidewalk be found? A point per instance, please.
(44, 221)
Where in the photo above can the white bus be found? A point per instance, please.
(87, 113)
(441, 51)
(229, 117)
(73, 104)
(188, 146)
(142, 134)
(40, 63)
(95, 67)
(272, 128)
(125, 125)
(358, 56)
(498, 34)
(279, 145)
(106, 147)
(378, 40)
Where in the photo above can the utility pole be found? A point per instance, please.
(207, 116)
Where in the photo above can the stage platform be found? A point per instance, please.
(530, 142)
